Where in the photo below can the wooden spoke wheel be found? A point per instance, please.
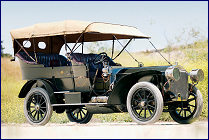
(185, 112)
(79, 115)
(37, 107)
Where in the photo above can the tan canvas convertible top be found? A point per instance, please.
(55, 34)
(77, 27)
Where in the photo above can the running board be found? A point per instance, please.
(79, 104)
(61, 92)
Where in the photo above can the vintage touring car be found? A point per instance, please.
(83, 84)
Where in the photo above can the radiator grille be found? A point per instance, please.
(180, 86)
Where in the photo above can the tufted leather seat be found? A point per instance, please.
(48, 60)
(87, 59)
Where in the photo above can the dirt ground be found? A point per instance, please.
(94, 130)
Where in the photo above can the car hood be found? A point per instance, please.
(120, 69)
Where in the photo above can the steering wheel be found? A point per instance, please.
(100, 58)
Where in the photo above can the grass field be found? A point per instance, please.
(190, 57)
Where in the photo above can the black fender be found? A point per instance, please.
(46, 84)
(122, 87)
(26, 88)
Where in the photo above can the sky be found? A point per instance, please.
(161, 20)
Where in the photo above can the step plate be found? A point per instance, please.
(61, 92)
(72, 97)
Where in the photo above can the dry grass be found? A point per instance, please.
(11, 83)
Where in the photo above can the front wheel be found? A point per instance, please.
(37, 106)
(186, 112)
(144, 103)
(79, 115)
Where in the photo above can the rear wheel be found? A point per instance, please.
(37, 106)
(186, 112)
(79, 115)
(144, 103)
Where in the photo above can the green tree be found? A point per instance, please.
(2, 48)
(2, 51)
(98, 47)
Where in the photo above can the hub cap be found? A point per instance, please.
(37, 107)
(143, 103)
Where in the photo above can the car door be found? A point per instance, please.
(81, 80)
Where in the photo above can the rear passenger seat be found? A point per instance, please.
(48, 60)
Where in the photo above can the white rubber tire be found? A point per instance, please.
(157, 95)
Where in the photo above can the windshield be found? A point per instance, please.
(115, 49)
